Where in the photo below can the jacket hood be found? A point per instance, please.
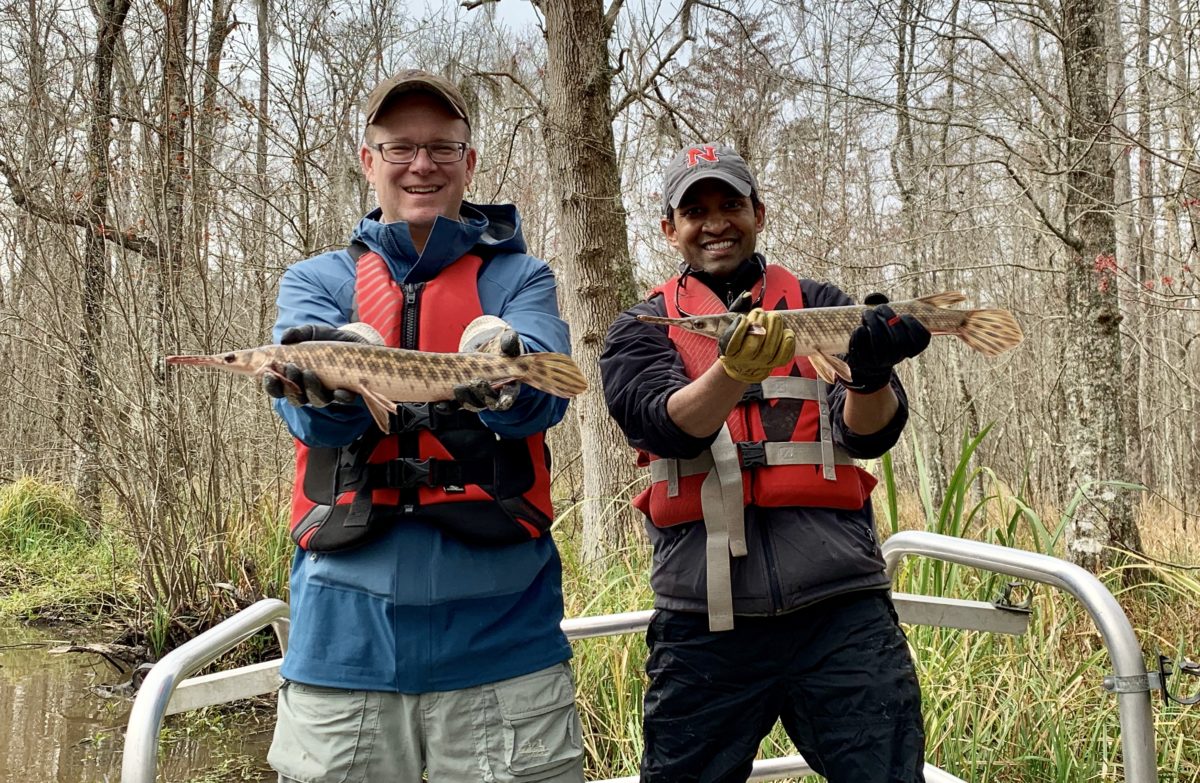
(490, 228)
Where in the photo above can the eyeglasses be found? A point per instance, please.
(404, 152)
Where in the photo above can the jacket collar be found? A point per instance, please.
(494, 226)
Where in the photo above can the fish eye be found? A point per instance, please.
(701, 323)
(229, 358)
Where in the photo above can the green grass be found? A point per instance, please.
(51, 565)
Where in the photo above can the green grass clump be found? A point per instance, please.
(36, 514)
(52, 565)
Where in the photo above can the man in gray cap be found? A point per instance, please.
(426, 589)
(770, 593)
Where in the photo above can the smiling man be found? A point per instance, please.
(770, 593)
(426, 590)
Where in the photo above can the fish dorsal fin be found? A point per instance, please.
(944, 299)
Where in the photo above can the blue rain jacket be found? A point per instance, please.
(417, 610)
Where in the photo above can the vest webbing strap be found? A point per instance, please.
(725, 526)
(783, 453)
(777, 387)
(828, 452)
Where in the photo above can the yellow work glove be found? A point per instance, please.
(749, 354)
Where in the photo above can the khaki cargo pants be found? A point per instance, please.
(513, 731)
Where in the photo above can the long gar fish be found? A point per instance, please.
(822, 332)
(384, 376)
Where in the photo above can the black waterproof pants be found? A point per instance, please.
(838, 674)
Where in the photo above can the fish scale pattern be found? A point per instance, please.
(370, 360)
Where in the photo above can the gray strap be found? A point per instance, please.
(716, 557)
(803, 454)
(729, 469)
(827, 451)
(663, 469)
(725, 526)
(778, 453)
(783, 387)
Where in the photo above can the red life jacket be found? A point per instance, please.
(795, 464)
(438, 460)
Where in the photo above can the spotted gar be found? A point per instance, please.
(822, 332)
(384, 376)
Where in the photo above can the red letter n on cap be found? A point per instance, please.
(697, 154)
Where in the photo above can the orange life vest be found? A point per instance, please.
(438, 460)
(780, 428)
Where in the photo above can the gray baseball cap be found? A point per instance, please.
(411, 80)
(705, 161)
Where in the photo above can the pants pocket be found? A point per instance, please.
(541, 729)
(319, 734)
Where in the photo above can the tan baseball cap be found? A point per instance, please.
(415, 79)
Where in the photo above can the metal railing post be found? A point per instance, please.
(139, 760)
(1137, 723)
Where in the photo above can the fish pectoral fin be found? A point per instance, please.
(270, 369)
(378, 405)
(829, 367)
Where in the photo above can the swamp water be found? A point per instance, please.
(55, 729)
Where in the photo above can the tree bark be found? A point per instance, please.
(593, 255)
(110, 24)
(1094, 390)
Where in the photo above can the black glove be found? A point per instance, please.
(307, 388)
(478, 394)
(883, 341)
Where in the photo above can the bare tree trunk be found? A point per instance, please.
(1094, 359)
(261, 231)
(594, 256)
(219, 29)
(1124, 233)
(173, 585)
(110, 23)
(1143, 261)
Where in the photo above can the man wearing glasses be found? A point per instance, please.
(426, 590)
(771, 598)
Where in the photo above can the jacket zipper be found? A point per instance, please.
(408, 336)
(409, 445)
(772, 573)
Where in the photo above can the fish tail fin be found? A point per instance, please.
(944, 299)
(991, 332)
(553, 373)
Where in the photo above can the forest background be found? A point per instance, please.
(163, 162)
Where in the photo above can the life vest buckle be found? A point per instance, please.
(753, 453)
(409, 473)
(419, 416)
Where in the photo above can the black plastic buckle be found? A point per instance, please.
(411, 417)
(409, 473)
(753, 453)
